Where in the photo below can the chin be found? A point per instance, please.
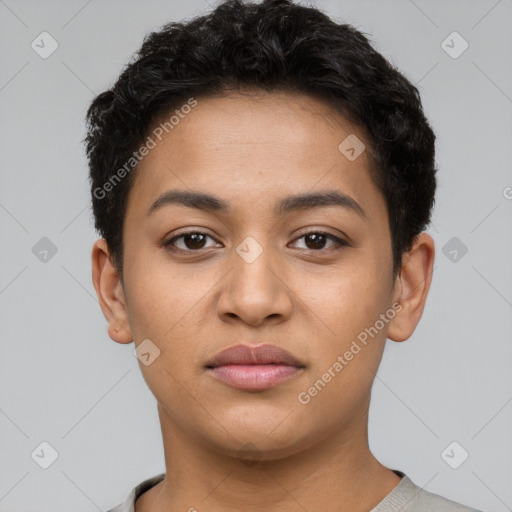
(262, 450)
(263, 437)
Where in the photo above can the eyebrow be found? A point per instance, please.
(209, 203)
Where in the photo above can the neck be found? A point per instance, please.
(338, 474)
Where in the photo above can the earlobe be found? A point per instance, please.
(109, 290)
(412, 286)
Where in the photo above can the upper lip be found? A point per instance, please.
(260, 354)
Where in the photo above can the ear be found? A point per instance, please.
(411, 287)
(110, 293)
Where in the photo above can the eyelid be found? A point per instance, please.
(169, 241)
(323, 231)
(338, 241)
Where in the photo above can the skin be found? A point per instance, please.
(252, 150)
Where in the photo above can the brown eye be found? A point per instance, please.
(194, 240)
(191, 241)
(316, 240)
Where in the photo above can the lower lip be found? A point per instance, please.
(254, 376)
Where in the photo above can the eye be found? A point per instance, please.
(190, 241)
(315, 241)
(193, 241)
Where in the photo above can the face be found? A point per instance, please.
(259, 263)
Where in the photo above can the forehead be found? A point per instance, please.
(252, 146)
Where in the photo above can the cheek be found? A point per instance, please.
(167, 307)
(157, 295)
(353, 296)
(345, 363)
(351, 304)
(162, 310)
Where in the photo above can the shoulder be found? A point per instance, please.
(408, 497)
(128, 505)
(425, 501)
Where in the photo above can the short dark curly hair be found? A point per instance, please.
(273, 45)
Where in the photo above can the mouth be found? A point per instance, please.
(254, 368)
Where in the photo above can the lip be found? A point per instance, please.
(254, 367)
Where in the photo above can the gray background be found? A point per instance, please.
(63, 381)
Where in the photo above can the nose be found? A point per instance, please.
(254, 291)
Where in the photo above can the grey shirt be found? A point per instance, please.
(405, 497)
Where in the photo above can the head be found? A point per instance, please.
(301, 165)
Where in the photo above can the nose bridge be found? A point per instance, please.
(254, 291)
(251, 267)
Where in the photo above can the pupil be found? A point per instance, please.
(318, 240)
(196, 242)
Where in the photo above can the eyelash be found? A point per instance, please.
(338, 242)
